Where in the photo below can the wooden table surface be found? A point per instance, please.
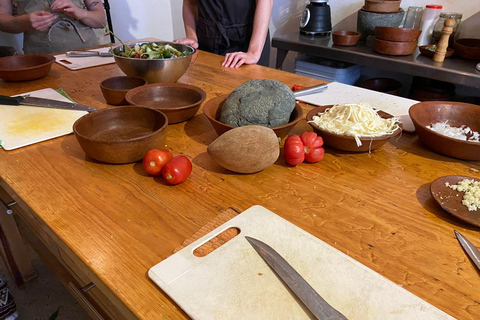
(119, 222)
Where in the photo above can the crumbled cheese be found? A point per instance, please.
(461, 133)
(356, 120)
(471, 197)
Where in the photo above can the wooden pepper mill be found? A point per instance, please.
(442, 45)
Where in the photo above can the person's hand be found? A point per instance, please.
(187, 41)
(41, 20)
(68, 8)
(236, 59)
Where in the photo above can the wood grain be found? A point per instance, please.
(117, 222)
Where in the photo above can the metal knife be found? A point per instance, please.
(312, 300)
(88, 54)
(310, 90)
(469, 248)
(41, 102)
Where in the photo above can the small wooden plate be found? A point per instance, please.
(451, 200)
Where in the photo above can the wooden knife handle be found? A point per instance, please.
(442, 45)
(11, 101)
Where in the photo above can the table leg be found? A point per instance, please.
(281, 55)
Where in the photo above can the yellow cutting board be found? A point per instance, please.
(23, 125)
(233, 282)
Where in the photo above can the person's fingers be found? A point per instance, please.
(240, 62)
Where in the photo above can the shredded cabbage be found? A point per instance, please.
(356, 120)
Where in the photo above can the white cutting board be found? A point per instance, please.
(234, 282)
(338, 93)
(77, 63)
(23, 125)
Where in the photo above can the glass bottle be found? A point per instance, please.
(438, 26)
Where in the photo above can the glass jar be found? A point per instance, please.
(439, 24)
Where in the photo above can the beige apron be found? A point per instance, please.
(64, 34)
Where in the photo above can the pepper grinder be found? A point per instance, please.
(442, 45)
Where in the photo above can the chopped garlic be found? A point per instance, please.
(461, 133)
(471, 198)
(356, 120)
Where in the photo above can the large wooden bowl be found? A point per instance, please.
(397, 34)
(213, 108)
(382, 6)
(178, 101)
(348, 143)
(425, 114)
(121, 134)
(394, 48)
(25, 67)
(468, 48)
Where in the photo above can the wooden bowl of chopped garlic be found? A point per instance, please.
(353, 127)
(448, 127)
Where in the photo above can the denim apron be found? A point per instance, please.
(64, 34)
(225, 26)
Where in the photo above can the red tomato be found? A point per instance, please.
(177, 170)
(155, 159)
(297, 87)
(312, 144)
(294, 151)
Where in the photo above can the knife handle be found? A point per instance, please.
(11, 101)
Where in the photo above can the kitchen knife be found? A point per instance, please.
(41, 102)
(469, 248)
(312, 300)
(88, 54)
(310, 90)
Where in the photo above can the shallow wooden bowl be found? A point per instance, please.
(345, 38)
(114, 89)
(382, 6)
(347, 143)
(468, 48)
(425, 114)
(425, 50)
(121, 134)
(397, 34)
(394, 48)
(25, 67)
(213, 108)
(178, 101)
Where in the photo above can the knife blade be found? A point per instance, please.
(469, 248)
(310, 90)
(44, 103)
(88, 54)
(312, 300)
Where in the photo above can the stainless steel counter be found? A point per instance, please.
(453, 69)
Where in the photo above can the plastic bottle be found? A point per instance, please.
(430, 15)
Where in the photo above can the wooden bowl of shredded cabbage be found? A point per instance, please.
(353, 127)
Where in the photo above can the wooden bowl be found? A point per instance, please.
(178, 101)
(25, 66)
(425, 114)
(397, 34)
(394, 48)
(429, 50)
(121, 134)
(114, 89)
(382, 6)
(347, 143)
(467, 48)
(386, 85)
(345, 38)
(212, 110)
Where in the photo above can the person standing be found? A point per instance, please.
(51, 26)
(236, 29)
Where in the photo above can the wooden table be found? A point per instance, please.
(455, 69)
(108, 224)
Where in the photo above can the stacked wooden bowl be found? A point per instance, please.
(382, 6)
(395, 41)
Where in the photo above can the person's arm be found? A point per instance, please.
(93, 16)
(189, 18)
(39, 20)
(261, 21)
